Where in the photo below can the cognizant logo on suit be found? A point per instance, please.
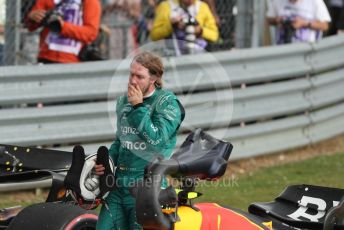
(134, 145)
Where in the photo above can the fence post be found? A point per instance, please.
(244, 23)
(258, 19)
(12, 32)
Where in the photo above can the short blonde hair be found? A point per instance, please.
(153, 63)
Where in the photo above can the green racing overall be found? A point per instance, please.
(143, 132)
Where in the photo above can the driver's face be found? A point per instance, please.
(139, 76)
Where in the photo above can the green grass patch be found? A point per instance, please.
(240, 191)
(23, 198)
(266, 184)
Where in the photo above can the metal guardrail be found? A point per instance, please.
(283, 97)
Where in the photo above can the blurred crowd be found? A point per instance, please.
(81, 30)
(142, 21)
(68, 26)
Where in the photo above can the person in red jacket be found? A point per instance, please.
(68, 26)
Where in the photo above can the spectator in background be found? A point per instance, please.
(75, 24)
(122, 17)
(298, 20)
(145, 22)
(212, 6)
(187, 22)
(2, 29)
(336, 8)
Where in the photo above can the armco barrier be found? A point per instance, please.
(283, 97)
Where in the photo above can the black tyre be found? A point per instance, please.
(54, 216)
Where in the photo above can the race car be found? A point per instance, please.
(21, 166)
(200, 157)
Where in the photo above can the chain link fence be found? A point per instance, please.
(20, 46)
(127, 30)
(226, 11)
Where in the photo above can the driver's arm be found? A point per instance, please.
(157, 129)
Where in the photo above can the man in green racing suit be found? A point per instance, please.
(148, 119)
